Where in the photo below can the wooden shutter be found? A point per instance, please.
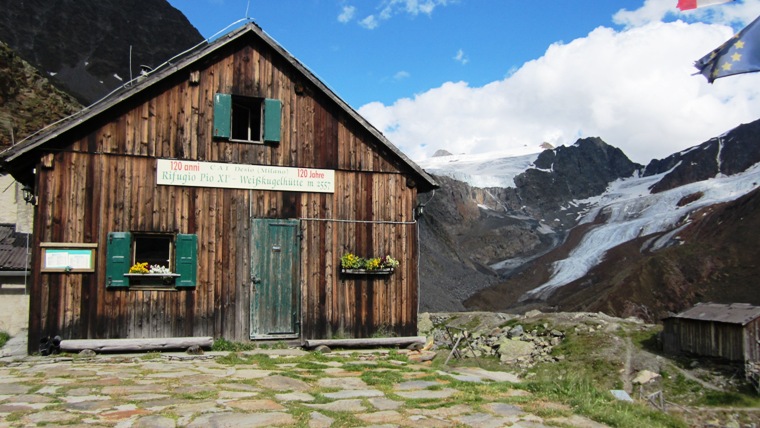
(186, 260)
(222, 115)
(118, 259)
(272, 119)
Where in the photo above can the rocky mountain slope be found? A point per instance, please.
(473, 237)
(28, 101)
(87, 46)
(654, 240)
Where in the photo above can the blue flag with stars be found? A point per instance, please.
(740, 54)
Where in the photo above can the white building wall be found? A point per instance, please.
(13, 208)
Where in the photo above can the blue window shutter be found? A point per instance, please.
(272, 119)
(222, 115)
(186, 260)
(118, 261)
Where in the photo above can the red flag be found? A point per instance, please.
(693, 4)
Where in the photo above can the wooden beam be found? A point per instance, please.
(135, 345)
(378, 341)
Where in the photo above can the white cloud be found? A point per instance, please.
(369, 22)
(347, 14)
(651, 11)
(737, 14)
(633, 88)
(401, 75)
(390, 8)
(461, 57)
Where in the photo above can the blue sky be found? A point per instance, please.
(474, 76)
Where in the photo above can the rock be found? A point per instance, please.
(533, 313)
(644, 377)
(421, 356)
(323, 349)
(511, 350)
(195, 350)
(517, 331)
(88, 353)
(424, 323)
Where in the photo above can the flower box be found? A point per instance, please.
(387, 271)
(151, 275)
(152, 279)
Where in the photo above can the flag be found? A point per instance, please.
(740, 54)
(693, 4)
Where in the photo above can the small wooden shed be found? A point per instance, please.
(244, 176)
(728, 331)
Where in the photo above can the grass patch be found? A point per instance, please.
(235, 358)
(311, 366)
(198, 395)
(384, 331)
(150, 356)
(223, 344)
(4, 338)
(647, 338)
(584, 398)
(384, 379)
(733, 399)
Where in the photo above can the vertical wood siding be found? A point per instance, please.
(733, 342)
(105, 181)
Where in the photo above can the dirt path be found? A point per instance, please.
(627, 371)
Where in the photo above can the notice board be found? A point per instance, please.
(68, 257)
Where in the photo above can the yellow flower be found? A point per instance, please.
(373, 263)
(139, 268)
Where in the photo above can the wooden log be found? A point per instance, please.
(135, 345)
(366, 342)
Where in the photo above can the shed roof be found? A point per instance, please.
(733, 313)
(21, 153)
(13, 248)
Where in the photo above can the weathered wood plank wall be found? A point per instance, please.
(106, 181)
(710, 339)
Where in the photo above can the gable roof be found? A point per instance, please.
(734, 313)
(25, 150)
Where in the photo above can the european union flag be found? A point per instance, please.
(740, 54)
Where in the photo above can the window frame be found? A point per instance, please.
(170, 262)
(183, 263)
(270, 118)
(255, 109)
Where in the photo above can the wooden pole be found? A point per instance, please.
(135, 345)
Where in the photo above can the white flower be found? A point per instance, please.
(159, 269)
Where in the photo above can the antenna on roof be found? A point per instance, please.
(130, 67)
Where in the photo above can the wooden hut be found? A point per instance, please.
(727, 331)
(243, 175)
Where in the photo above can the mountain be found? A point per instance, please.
(28, 101)
(634, 241)
(91, 47)
(510, 210)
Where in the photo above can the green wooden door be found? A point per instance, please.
(275, 297)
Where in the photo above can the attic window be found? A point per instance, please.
(247, 119)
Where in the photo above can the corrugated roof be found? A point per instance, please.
(13, 253)
(733, 313)
(187, 62)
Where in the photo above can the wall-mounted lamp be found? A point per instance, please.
(28, 194)
(419, 210)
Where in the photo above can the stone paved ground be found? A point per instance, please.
(264, 388)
